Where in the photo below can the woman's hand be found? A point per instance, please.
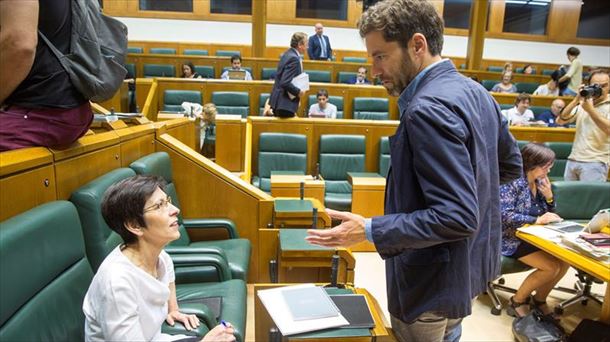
(548, 218)
(190, 321)
(220, 333)
(544, 186)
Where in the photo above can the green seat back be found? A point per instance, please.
(280, 152)
(322, 76)
(520, 70)
(526, 87)
(99, 238)
(232, 102)
(267, 73)
(537, 110)
(131, 69)
(336, 100)
(172, 99)
(262, 98)
(159, 70)
(345, 76)
(227, 53)
(495, 68)
(562, 151)
(163, 51)
(384, 156)
(506, 106)
(488, 84)
(371, 108)
(548, 72)
(205, 71)
(361, 60)
(195, 52)
(134, 49)
(44, 275)
(579, 200)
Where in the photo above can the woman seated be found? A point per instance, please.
(506, 86)
(133, 291)
(188, 71)
(529, 200)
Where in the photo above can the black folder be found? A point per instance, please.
(355, 309)
(213, 303)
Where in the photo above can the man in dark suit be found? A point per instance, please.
(285, 96)
(360, 78)
(319, 45)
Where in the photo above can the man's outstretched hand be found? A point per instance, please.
(348, 233)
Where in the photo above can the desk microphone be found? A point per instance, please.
(334, 270)
(317, 175)
(302, 190)
(273, 271)
(314, 217)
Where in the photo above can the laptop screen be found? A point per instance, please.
(237, 75)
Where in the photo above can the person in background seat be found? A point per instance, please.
(520, 114)
(506, 86)
(360, 78)
(323, 109)
(236, 65)
(188, 71)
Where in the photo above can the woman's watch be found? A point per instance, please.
(550, 200)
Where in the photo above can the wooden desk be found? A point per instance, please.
(263, 321)
(576, 260)
(289, 186)
(368, 197)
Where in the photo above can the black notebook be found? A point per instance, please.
(213, 303)
(355, 309)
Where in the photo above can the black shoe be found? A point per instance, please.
(511, 310)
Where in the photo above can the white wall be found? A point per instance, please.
(348, 39)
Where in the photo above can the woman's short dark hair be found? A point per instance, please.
(536, 155)
(191, 66)
(399, 20)
(322, 92)
(123, 203)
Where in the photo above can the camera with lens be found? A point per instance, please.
(593, 90)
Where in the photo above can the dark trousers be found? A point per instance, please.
(282, 113)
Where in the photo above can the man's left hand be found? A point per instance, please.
(190, 321)
(349, 232)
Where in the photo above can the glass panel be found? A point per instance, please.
(526, 16)
(231, 6)
(594, 19)
(167, 6)
(456, 13)
(322, 9)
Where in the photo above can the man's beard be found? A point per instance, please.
(400, 81)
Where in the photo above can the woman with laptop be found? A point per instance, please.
(529, 200)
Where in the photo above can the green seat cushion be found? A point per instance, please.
(131, 69)
(371, 104)
(232, 102)
(280, 152)
(267, 73)
(361, 60)
(488, 84)
(159, 70)
(580, 200)
(526, 87)
(195, 52)
(495, 68)
(227, 53)
(205, 71)
(345, 76)
(172, 99)
(163, 51)
(134, 49)
(537, 110)
(562, 151)
(318, 76)
(384, 156)
(548, 72)
(338, 201)
(371, 115)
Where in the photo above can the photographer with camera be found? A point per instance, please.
(590, 109)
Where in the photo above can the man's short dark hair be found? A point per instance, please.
(523, 97)
(536, 155)
(297, 38)
(573, 51)
(322, 92)
(399, 20)
(235, 58)
(123, 203)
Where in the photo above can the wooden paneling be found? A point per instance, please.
(563, 20)
(133, 149)
(26, 190)
(230, 133)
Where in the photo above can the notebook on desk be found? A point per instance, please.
(565, 227)
(355, 309)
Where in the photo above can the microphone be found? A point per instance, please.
(273, 270)
(334, 270)
(314, 217)
(302, 190)
(317, 175)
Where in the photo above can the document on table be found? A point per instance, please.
(275, 303)
(542, 232)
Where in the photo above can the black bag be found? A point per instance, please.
(590, 331)
(535, 327)
(98, 47)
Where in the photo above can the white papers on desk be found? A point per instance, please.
(301, 81)
(274, 302)
(542, 232)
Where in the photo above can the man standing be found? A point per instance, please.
(319, 45)
(549, 116)
(285, 96)
(236, 65)
(590, 154)
(574, 73)
(440, 235)
(360, 77)
(39, 106)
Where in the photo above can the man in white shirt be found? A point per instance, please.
(236, 66)
(520, 114)
(323, 109)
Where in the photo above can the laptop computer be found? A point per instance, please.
(237, 75)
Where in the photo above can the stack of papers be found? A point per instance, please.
(580, 245)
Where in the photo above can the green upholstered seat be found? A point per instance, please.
(488, 84)
(336, 100)
(163, 51)
(205, 71)
(44, 275)
(279, 152)
(537, 110)
(267, 73)
(159, 70)
(562, 151)
(322, 76)
(548, 72)
(131, 69)
(195, 52)
(345, 76)
(371, 108)
(134, 49)
(360, 60)
(227, 53)
(384, 156)
(340, 154)
(526, 87)
(237, 250)
(232, 102)
(172, 99)
(579, 200)
(495, 68)
(262, 98)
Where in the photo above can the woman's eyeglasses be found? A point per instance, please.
(162, 204)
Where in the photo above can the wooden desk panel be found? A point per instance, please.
(290, 186)
(368, 199)
(26, 190)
